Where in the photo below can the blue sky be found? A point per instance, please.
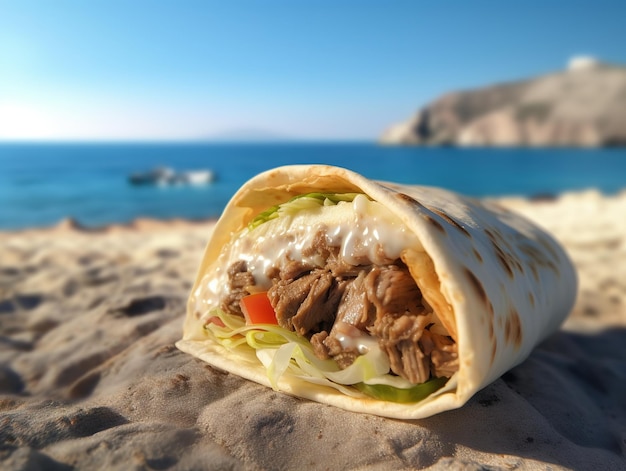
(171, 70)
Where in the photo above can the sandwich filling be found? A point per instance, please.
(334, 267)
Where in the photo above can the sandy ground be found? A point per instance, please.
(90, 377)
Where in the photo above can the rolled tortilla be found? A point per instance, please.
(497, 283)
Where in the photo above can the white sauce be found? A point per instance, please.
(351, 338)
(365, 231)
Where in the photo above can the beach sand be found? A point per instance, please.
(90, 377)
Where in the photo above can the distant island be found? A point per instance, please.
(583, 106)
(250, 135)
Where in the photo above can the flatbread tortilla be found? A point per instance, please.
(498, 283)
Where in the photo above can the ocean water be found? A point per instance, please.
(40, 184)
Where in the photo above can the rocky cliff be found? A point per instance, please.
(582, 106)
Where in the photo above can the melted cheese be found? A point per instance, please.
(364, 231)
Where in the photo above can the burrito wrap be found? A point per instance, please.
(498, 283)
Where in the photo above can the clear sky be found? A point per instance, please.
(312, 69)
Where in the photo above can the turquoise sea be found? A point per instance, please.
(40, 184)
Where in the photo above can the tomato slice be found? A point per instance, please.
(257, 309)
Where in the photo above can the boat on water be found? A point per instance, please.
(166, 176)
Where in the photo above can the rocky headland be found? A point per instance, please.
(582, 106)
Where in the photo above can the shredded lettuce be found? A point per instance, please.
(297, 203)
(287, 354)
